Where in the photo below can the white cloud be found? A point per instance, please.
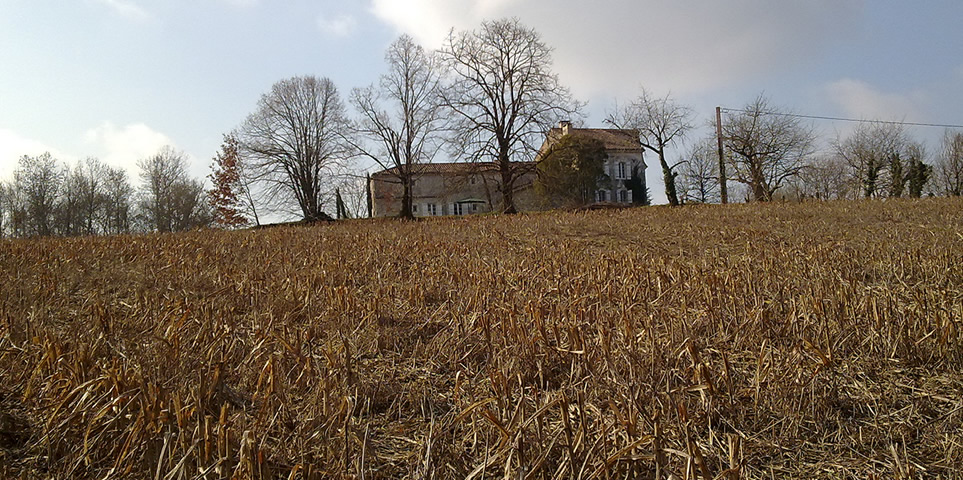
(13, 146)
(124, 146)
(610, 48)
(863, 101)
(338, 26)
(126, 8)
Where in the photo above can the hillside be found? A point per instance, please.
(816, 340)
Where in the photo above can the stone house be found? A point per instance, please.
(462, 188)
(458, 188)
(625, 165)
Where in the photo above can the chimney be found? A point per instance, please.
(565, 126)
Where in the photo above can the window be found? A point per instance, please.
(414, 208)
(474, 207)
(601, 196)
(431, 209)
(457, 209)
(623, 196)
(621, 171)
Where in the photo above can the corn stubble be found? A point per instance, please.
(775, 341)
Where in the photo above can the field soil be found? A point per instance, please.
(815, 340)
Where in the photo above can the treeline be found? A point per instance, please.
(770, 153)
(487, 94)
(49, 197)
(875, 160)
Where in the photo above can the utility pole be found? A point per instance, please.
(367, 192)
(723, 191)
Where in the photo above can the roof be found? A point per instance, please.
(449, 168)
(612, 138)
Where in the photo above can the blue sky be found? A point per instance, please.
(117, 79)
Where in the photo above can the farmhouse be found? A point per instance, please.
(458, 188)
(462, 188)
(625, 166)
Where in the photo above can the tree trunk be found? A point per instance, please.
(406, 211)
(508, 193)
(668, 176)
(758, 185)
(508, 182)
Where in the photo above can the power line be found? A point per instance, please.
(842, 119)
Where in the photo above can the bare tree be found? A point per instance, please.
(118, 197)
(504, 95)
(67, 219)
(949, 167)
(89, 179)
(401, 119)
(766, 147)
(38, 181)
(83, 199)
(295, 142)
(824, 178)
(870, 152)
(16, 210)
(170, 200)
(699, 179)
(659, 121)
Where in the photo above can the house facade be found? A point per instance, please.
(462, 188)
(458, 188)
(624, 167)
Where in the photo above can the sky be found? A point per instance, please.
(118, 79)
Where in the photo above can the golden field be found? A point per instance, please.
(818, 340)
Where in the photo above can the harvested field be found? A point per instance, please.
(816, 340)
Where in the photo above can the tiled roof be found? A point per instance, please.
(613, 139)
(450, 168)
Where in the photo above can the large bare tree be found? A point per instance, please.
(294, 142)
(659, 121)
(699, 179)
(401, 119)
(949, 167)
(505, 96)
(766, 147)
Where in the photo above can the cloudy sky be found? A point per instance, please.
(117, 79)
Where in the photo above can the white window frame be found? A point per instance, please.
(431, 209)
(622, 171)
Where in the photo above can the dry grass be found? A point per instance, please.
(776, 341)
